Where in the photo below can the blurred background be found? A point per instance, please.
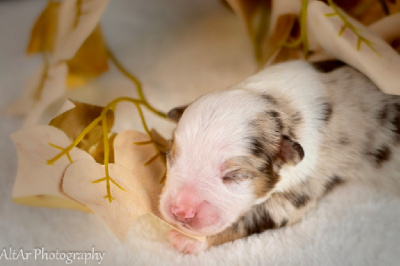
(179, 50)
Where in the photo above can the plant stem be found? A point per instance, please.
(137, 83)
(351, 27)
(103, 118)
(149, 133)
(96, 121)
(76, 141)
(303, 38)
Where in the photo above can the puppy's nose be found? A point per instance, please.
(184, 215)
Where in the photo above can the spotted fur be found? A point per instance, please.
(262, 153)
(298, 200)
(332, 183)
(380, 155)
(326, 111)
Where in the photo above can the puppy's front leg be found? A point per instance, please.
(282, 208)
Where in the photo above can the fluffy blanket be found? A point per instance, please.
(179, 49)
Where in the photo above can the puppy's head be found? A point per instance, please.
(225, 154)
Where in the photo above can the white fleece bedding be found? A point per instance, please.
(179, 49)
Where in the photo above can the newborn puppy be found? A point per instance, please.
(259, 155)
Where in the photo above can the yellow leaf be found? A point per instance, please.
(161, 142)
(90, 61)
(373, 57)
(37, 183)
(268, 23)
(286, 54)
(75, 120)
(126, 206)
(387, 28)
(255, 15)
(58, 33)
(133, 156)
(77, 20)
(278, 37)
(368, 11)
(44, 30)
(49, 201)
(50, 87)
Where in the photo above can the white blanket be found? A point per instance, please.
(180, 50)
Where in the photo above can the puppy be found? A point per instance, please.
(259, 155)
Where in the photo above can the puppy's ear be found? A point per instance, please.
(176, 113)
(290, 151)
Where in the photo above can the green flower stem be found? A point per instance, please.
(153, 141)
(145, 127)
(103, 118)
(107, 178)
(75, 142)
(95, 122)
(351, 27)
(106, 145)
(303, 38)
(137, 83)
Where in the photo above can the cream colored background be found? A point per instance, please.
(180, 50)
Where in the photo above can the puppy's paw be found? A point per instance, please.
(186, 244)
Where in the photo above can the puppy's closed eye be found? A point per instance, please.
(236, 176)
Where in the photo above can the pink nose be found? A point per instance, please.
(182, 214)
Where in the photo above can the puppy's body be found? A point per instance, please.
(260, 155)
